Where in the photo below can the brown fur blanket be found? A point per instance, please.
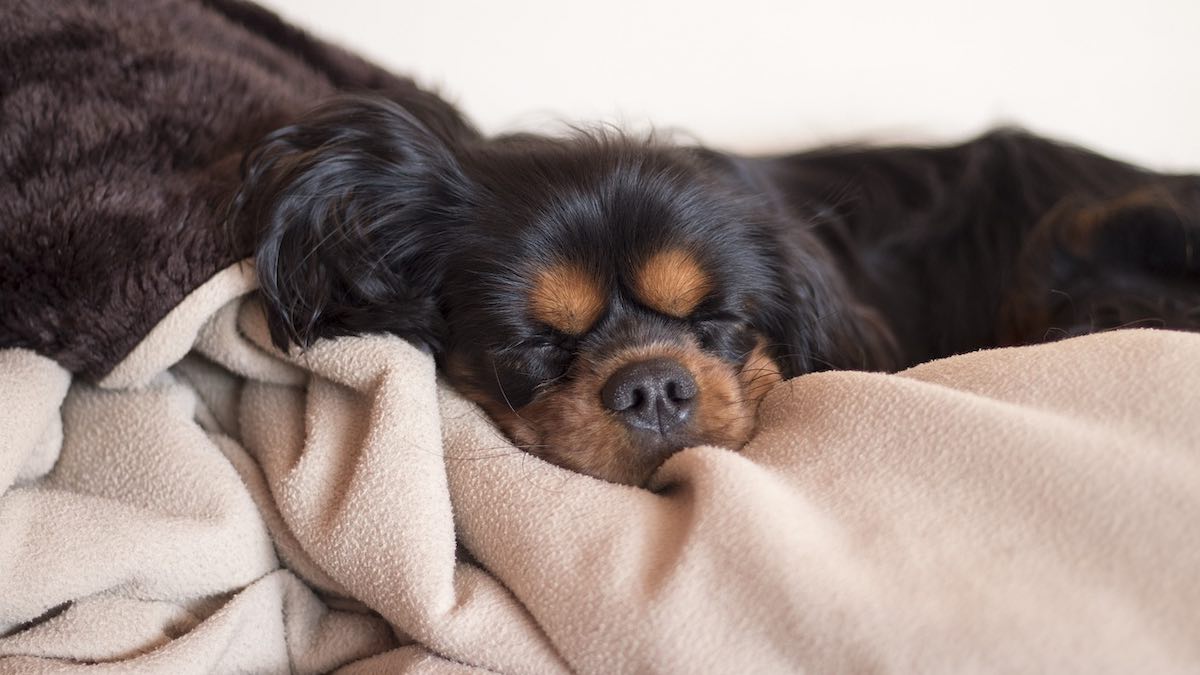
(122, 126)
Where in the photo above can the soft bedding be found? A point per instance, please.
(213, 505)
(177, 496)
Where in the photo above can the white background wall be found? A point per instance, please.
(1122, 77)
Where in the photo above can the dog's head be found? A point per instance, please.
(607, 301)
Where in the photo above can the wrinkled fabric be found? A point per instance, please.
(215, 506)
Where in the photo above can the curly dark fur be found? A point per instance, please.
(361, 185)
(367, 220)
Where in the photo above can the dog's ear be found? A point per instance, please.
(813, 320)
(350, 213)
(821, 326)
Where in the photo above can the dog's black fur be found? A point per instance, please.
(369, 218)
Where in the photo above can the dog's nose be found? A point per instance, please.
(655, 395)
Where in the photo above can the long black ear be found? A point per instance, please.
(350, 214)
(814, 320)
(811, 316)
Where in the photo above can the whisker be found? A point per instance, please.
(500, 386)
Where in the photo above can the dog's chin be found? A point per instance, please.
(578, 435)
(637, 468)
(631, 472)
(618, 460)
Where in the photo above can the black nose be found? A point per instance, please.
(655, 395)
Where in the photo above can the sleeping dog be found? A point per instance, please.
(610, 300)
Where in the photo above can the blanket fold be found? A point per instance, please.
(1011, 510)
(177, 496)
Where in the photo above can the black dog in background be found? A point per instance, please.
(610, 300)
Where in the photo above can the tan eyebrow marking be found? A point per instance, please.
(566, 298)
(672, 282)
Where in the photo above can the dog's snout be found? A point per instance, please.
(655, 395)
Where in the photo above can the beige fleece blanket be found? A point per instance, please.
(215, 507)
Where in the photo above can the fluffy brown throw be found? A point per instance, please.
(121, 130)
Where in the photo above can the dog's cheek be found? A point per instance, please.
(721, 412)
(581, 436)
(514, 425)
(563, 425)
(759, 375)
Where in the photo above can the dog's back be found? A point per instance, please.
(1006, 239)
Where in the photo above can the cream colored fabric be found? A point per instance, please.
(174, 335)
(1025, 510)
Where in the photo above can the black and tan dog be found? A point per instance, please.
(609, 300)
